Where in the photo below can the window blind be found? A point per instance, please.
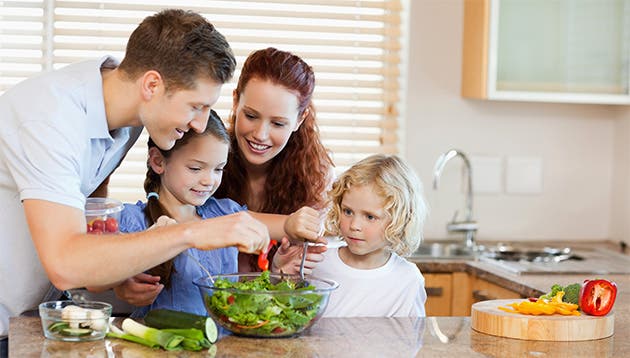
(354, 47)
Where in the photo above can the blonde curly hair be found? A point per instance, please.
(402, 193)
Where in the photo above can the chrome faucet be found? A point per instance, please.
(468, 226)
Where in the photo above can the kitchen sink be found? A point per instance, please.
(444, 250)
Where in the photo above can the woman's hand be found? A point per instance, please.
(140, 290)
(305, 224)
(289, 257)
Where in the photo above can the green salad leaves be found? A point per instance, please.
(284, 310)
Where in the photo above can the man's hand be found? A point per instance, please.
(140, 290)
(239, 229)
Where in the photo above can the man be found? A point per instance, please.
(64, 132)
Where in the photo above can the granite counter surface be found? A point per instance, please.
(371, 337)
(341, 337)
(361, 337)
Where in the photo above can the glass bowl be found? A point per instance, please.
(102, 215)
(75, 322)
(264, 305)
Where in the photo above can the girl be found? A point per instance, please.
(272, 129)
(179, 184)
(378, 209)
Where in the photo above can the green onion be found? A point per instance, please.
(190, 334)
(167, 340)
(115, 332)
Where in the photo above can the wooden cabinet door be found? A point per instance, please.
(483, 290)
(462, 298)
(439, 288)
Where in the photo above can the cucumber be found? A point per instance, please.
(76, 332)
(58, 326)
(164, 318)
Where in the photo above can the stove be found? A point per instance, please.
(557, 260)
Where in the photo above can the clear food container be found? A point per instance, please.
(102, 215)
(75, 322)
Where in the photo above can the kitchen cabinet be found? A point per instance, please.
(452, 294)
(448, 294)
(572, 51)
(484, 290)
(438, 287)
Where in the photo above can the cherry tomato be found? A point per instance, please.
(96, 231)
(99, 225)
(89, 228)
(111, 225)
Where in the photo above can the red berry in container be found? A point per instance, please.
(111, 225)
(99, 225)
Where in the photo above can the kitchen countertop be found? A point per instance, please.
(527, 285)
(343, 337)
(375, 337)
(353, 337)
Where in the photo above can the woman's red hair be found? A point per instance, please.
(299, 175)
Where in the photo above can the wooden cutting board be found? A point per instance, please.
(488, 318)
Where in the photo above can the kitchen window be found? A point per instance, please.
(353, 46)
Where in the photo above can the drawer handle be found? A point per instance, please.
(481, 295)
(434, 291)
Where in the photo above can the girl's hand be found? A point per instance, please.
(288, 258)
(305, 224)
(140, 290)
(162, 221)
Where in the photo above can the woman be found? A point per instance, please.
(278, 163)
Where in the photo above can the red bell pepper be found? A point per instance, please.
(597, 297)
(263, 262)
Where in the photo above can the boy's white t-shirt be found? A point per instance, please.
(395, 289)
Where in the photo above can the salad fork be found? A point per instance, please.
(200, 265)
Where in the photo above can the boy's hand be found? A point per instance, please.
(140, 290)
(305, 224)
(288, 258)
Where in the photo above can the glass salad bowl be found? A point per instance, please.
(261, 304)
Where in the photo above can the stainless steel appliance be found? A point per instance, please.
(551, 260)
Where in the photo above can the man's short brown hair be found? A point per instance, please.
(182, 46)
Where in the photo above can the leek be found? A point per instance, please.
(115, 332)
(191, 335)
(166, 340)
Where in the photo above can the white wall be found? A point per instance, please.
(582, 147)
(620, 220)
